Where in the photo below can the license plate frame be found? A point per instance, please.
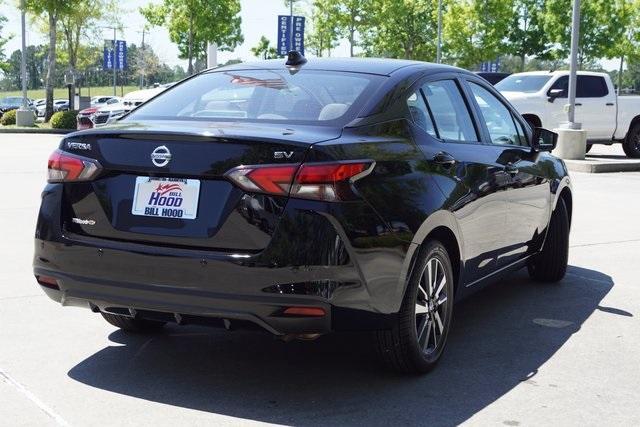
(166, 198)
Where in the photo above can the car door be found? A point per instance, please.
(595, 105)
(468, 174)
(528, 192)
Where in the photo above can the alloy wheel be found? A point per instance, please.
(431, 308)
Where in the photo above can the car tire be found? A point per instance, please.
(550, 265)
(416, 341)
(631, 144)
(131, 324)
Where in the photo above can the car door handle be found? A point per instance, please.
(578, 104)
(610, 104)
(444, 159)
(511, 169)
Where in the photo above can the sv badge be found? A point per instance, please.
(282, 154)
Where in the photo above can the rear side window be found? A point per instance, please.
(420, 113)
(449, 110)
(587, 87)
(591, 87)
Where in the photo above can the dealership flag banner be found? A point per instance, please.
(114, 56)
(285, 27)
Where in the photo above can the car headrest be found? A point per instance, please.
(332, 111)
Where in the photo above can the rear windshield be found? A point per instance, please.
(519, 83)
(306, 97)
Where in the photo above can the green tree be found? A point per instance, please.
(264, 49)
(351, 19)
(401, 29)
(3, 42)
(476, 30)
(602, 24)
(526, 36)
(53, 10)
(77, 29)
(324, 32)
(194, 23)
(628, 45)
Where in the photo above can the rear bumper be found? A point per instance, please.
(310, 262)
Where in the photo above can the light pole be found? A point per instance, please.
(290, 24)
(143, 58)
(573, 69)
(24, 116)
(572, 139)
(439, 46)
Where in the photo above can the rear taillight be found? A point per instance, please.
(319, 181)
(65, 167)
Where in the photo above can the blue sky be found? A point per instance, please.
(259, 17)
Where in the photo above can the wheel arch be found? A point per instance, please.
(633, 122)
(567, 198)
(442, 226)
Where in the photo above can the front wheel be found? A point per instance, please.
(631, 144)
(417, 340)
(550, 265)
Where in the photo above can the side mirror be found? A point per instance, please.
(555, 93)
(543, 140)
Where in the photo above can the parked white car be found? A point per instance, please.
(58, 105)
(110, 112)
(541, 98)
(98, 101)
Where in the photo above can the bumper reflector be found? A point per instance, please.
(304, 311)
(48, 282)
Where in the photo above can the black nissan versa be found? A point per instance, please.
(303, 198)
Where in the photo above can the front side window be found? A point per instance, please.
(497, 117)
(449, 110)
(305, 97)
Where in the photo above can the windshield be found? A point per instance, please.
(520, 83)
(305, 97)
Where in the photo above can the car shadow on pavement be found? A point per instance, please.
(501, 337)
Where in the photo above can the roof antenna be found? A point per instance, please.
(295, 59)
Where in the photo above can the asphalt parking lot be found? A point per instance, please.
(520, 353)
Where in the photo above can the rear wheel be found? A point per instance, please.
(417, 340)
(550, 265)
(131, 324)
(631, 144)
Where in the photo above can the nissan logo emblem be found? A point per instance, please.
(161, 156)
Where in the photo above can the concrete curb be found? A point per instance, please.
(37, 130)
(595, 166)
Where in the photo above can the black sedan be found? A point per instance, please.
(305, 198)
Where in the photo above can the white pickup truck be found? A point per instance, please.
(541, 97)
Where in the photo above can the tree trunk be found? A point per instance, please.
(190, 48)
(51, 67)
(523, 59)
